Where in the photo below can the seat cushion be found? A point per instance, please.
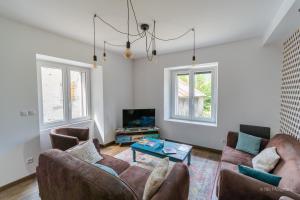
(229, 166)
(136, 178)
(236, 157)
(116, 164)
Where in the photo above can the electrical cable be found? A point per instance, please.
(136, 21)
(123, 45)
(174, 38)
(141, 35)
(113, 27)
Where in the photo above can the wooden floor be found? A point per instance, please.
(28, 190)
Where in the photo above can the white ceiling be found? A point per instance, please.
(216, 21)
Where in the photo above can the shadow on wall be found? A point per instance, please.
(98, 131)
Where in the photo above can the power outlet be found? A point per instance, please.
(29, 161)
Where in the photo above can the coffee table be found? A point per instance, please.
(157, 150)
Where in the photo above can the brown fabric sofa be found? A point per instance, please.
(64, 177)
(65, 138)
(235, 186)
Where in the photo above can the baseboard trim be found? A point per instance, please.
(197, 147)
(107, 144)
(9, 185)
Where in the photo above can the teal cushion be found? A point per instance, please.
(248, 143)
(260, 175)
(107, 169)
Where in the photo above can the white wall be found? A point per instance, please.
(249, 90)
(19, 136)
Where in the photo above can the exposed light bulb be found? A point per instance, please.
(104, 57)
(128, 53)
(95, 62)
(155, 57)
(194, 61)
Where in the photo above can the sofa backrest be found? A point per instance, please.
(288, 167)
(62, 176)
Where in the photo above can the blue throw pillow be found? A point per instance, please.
(260, 175)
(248, 143)
(107, 169)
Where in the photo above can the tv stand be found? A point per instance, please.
(129, 135)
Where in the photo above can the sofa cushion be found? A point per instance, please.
(107, 169)
(116, 164)
(236, 157)
(229, 166)
(156, 178)
(136, 177)
(86, 152)
(248, 143)
(266, 160)
(260, 175)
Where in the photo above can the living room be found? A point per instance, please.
(204, 105)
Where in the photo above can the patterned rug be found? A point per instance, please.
(203, 172)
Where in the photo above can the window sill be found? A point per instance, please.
(74, 123)
(192, 122)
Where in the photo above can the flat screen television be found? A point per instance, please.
(134, 118)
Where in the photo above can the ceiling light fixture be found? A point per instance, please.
(104, 52)
(94, 57)
(142, 32)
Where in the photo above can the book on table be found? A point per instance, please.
(147, 142)
(169, 150)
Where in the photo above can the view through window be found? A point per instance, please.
(64, 93)
(194, 93)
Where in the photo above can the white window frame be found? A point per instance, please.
(66, 68)
(191, 71)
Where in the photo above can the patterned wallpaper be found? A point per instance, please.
(290, 88)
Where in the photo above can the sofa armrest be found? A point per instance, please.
(176, 186)
(97, 144)
(63, 142)
(232, 138)
(235, 186)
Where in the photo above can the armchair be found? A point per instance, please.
(65, 138)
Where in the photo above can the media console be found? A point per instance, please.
(129, 135)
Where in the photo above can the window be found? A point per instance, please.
(194, 93)
(63, 93)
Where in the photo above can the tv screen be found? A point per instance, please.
(133, 118)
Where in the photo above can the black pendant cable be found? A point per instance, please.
(94, 57)
(194, 48)
(104, 52)
(142, 32)
(128, 54)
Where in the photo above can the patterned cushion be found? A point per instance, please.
(266, 160)
(156, 178)
(86, 152)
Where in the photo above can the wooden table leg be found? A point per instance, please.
(189, 158)
(133, 155)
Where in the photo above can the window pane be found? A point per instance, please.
(52, 90)
(78, 94)
(202, 95)
(182, 95)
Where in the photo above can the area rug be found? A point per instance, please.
(203, 172)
